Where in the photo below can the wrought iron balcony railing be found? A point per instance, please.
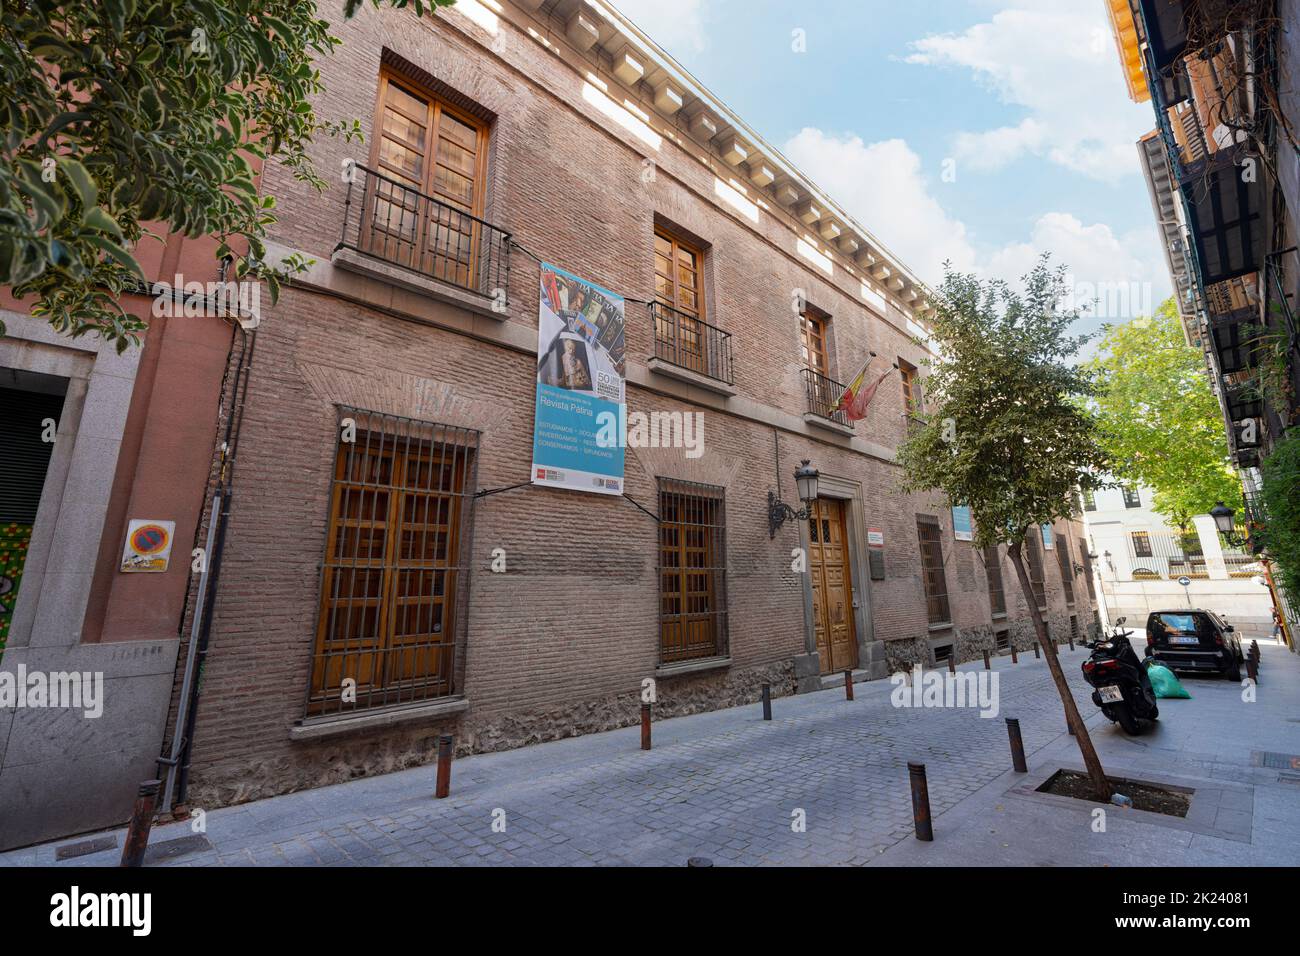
(691, 343)
(395, 222)
(823, 395)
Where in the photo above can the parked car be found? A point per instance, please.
(1192, 639)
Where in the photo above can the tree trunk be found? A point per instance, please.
(1090, 758)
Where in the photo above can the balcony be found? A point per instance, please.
(690, 350)
(823, 394)
(394, 232)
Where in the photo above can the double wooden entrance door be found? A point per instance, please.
(832, 585)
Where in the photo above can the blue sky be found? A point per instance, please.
(1024, 98)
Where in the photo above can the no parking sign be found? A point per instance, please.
(148, 545)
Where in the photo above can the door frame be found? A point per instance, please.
(871, 654)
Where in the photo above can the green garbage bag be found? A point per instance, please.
(1163, 681)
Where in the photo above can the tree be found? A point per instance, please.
(123, 113)
(1007, 434)
(1160, 422)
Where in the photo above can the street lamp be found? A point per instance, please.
(1223, 520)
(778, 512)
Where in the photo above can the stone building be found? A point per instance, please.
(400, 563)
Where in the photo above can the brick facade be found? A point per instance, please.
(560, 643)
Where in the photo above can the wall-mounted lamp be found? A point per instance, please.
(778, 512)
(1224, 520)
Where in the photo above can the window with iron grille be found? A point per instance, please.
(936, 584)
(1066, 565)
(394, 576)
(1131, 497)
(993, 572)
(1141, 544)
(1034, 542)
(692, 572)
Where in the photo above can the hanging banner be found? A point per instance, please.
(962, 529)
(577, 430)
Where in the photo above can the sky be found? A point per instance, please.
(981, 132)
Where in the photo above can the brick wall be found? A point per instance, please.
(560, 642)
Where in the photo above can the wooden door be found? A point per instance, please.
(832, 586)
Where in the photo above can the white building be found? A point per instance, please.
(1141, 560)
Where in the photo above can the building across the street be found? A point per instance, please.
(1223, 172)
(1145, 564)
(430, 515)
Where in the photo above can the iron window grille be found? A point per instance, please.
(1066, 564)
(692, 572)
(394, 581)
(936, 582)
(689, 342)
(993, 573)
(1035, 550)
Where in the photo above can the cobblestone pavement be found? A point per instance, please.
(723, 785)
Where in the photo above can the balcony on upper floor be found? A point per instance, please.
(823, 395)
(689, 349)
(394, 232)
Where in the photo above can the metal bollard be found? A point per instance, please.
(443, 787)
(952, 662)
(848, 685)
(767, 701)
(137, 835)
(1071, 642)
(645, 726)
(1017, 746)
(1037, 655)
(920, 802)
(1252, 669)
(1015, 658)
(987, 665)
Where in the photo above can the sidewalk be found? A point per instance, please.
(726, 785)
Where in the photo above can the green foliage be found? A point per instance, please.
(122, 112)
(1006, 434)
(1281, 499)
(1161, 424)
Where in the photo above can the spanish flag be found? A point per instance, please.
(857, 396)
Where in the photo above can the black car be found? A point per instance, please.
(1191, 639)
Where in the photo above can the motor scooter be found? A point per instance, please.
(1122, 689)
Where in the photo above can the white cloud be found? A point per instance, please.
(882, 186)
(676, 25)
(1057, 60)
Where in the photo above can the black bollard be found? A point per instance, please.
(137, 835)
(952, 662)
(443, 786)
(1017, 746)
(1015, 658)
(848, 685)
(987, 665)
(645, 726)
(920, 802)
(767, 701)
(1036, 652)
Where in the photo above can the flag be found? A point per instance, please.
(857, 396)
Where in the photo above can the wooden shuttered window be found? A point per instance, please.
(936, 582)
(394, 566)
(813, 329)
(680, 330)
(433, 157)
(692, 572)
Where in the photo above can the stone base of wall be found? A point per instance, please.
(320, 763)
(972, 642)
(902, 654)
